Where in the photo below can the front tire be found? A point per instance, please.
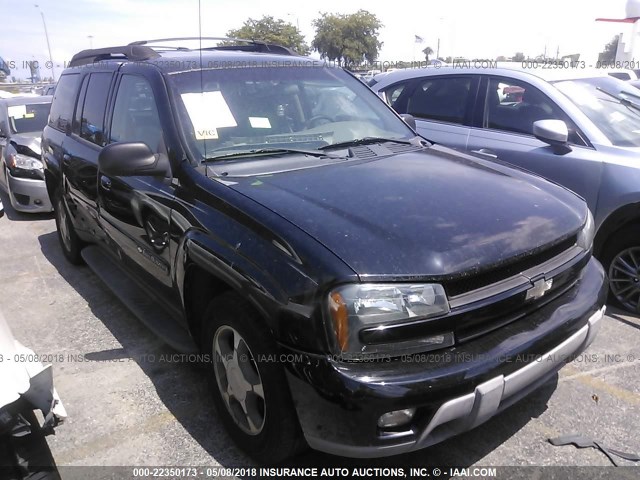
(621, 260)
(249, 386)
(69, 240)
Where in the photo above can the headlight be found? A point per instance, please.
(585, 237)
(17, 160)
(364, 315)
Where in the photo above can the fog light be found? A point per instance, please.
(397, 418)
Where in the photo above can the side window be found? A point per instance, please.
(95, 104)
(513, 106)
(391, 95)
(442, 98)
(63, 102)
(77, 116)
(135, 115)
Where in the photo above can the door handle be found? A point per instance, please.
(105, 182)
(66, 158)
(485, 152)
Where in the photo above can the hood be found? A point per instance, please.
(433, 212)
(30, 140)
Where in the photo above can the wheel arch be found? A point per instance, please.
(204, 275)
(621, 218)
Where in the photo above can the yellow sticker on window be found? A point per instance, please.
(29, 115)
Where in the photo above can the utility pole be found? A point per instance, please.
(46, 34)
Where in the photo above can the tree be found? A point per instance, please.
(518, 57)
(501, 58)
(271, 30)
(610, 50)
(427, 51)
(348, 39)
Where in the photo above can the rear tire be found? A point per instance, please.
(621, 261)
(249, 387)
(69, 240)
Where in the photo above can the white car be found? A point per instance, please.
(27, 385)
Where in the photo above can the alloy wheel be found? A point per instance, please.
(624, 278)
(239, 380)
(63, 225)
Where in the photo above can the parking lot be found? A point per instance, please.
(131, 401)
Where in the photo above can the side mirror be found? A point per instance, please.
(409, 120)
(132, 159)
(3, 129)
(553, 132)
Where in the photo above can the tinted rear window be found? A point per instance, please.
(63, 102)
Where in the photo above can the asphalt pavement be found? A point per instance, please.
(132, 401)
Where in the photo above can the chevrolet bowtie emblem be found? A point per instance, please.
(540, 287)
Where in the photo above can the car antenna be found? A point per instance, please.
(200, 54)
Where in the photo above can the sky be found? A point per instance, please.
(466, 28)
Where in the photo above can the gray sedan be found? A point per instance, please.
(21, 171)
(578, 128)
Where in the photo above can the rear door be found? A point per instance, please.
(82, 147)
(505, 131)
(135, 211)
(443, 106)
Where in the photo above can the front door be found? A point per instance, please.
(135, 211)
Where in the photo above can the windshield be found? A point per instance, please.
(250, 108)
(610, 104)
(28, 118)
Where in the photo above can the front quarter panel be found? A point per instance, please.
(281, 270)
(619, 194)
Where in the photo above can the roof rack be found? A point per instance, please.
(141, 50)
(252, 45)
(127, 52)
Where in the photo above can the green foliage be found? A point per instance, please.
(348, 39)
(271, 30)
(427, 51)
(610, 50)
(519, 57)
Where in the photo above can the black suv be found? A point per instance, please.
(353, 285)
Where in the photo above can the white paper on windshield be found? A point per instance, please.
(17, 111)
(208, 111)
(259, 122)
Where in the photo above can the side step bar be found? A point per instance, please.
(157, 319)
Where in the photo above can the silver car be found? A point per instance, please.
(578, 128)
(22, 120)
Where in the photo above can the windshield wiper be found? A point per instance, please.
(624, 101)
(365, 141)
(268, 151)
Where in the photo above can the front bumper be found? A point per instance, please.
(453, 390)
(28, 195)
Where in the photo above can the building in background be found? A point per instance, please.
(629, 40)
